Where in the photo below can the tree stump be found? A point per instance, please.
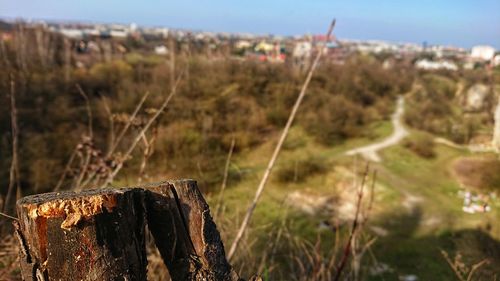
(100, 234)
(184, 232)
(93, 235)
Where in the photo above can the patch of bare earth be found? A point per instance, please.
(339, 205)
(477, 172)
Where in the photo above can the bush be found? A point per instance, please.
(332, 119)
(422, 145)
(297, 170)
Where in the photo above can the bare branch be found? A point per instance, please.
(224, 180)
(66, 169)
(453, 267)
(476, 267)
(14, 181)
(354, 227)
(89, 110)
(107, 108)
(127, 126)
(8, 216)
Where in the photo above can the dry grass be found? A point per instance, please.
(9, 263)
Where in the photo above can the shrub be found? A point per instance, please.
(299, 169)
(422, 145)
(332, 119)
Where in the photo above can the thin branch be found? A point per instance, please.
(89, 110)
(88, 156)
(224, 180)
(354, 227)
(111, 122)
(8, 216)
(14, 182)
(83, 171)
(277, 150)
(148, 151)
(455, 270)
(129, 123)
(372, 198)
(66, 169)
(172, 61)
(476, 267)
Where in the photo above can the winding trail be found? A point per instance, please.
(370, 151)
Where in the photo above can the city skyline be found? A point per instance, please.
(457, 23)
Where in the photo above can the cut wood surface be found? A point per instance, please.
(100, 234)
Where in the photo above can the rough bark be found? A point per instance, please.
(184, 232)
(93, 235)
(99, 234)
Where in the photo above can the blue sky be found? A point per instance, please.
(448, 22)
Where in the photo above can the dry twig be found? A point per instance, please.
(127, 125)
(354, 227)
(14, 181)
(224, 180)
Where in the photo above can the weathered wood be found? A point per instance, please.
(185, 233)
(92, 235)
(99, 234)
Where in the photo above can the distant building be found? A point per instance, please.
(264, 47)
(118, 33)
(71, 33)
(485, 53)
(161, 50)
(133, 27)
(243, 44)
(302, 50)
(435, 65)
(496, 60)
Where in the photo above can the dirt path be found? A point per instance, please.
(370, 151)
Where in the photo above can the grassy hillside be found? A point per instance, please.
(416, 205)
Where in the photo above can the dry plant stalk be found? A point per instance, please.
(224, 180)
(127, 125)
(277, 149)
(14, 181)
(84, 178)
(90, 137)
(147, 152)
(115, 142)
(67, 168)
(354, 227)
(127, 154)
(462, 272)
(111, 121)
